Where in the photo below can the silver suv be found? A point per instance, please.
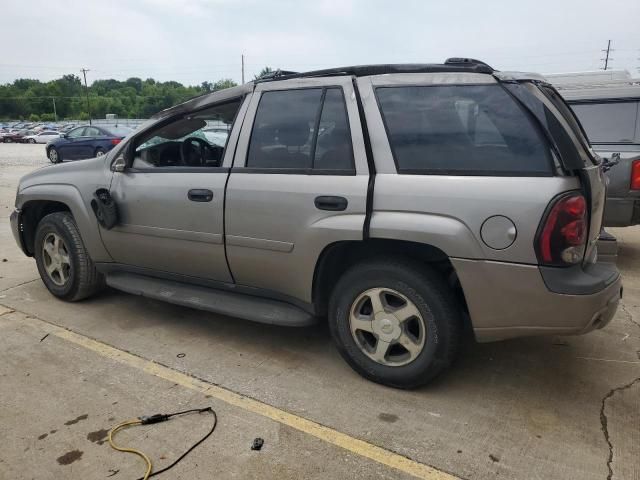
(400, 202)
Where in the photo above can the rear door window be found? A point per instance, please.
(463, 130)
(613, 122)
(304, 129)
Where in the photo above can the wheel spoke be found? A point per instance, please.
(409, 310)
(48, 247)
(359, 323)
(64, 259)
(382, 347)
(376, 300)
(63, 274)
(56, 243)
(410, 345)
(52, 267)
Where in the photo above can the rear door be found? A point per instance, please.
(298, 184)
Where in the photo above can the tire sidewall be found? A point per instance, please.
(54, 224)
(416, 290)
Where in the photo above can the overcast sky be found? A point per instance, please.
(196, 40)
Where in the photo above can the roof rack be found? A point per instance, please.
(454, 64)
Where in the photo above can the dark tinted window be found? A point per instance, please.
(333, 147)
(472, 129)
(609, 122)
(282, 129)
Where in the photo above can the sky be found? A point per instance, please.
(192, 41)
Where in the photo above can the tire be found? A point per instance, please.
(82, 278)
(32, 140)
(8, 140)
(99, 152)
(436, 329)
(53, 155)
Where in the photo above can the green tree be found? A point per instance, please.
(263, 72)
(222, 84)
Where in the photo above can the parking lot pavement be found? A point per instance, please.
(547, 408)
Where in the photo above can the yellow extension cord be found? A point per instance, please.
(120, 426)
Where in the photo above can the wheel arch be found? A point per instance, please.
(337, 257)
(37, 201)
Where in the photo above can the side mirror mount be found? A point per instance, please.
(118, 165)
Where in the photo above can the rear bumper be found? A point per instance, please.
(622, 212)
(508, 300)
(15, 221)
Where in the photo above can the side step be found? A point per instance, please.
(249, 307)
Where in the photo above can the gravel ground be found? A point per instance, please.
(22, 155)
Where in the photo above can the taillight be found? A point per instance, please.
(635, 175)
(115, 141)
(562, 236)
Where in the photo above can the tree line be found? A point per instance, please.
(27, 99)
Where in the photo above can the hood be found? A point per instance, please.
(60, 172)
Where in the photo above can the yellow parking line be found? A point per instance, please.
(326, 434)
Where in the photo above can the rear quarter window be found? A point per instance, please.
(461, 130)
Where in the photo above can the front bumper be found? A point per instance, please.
(15, 220)
(507, 300)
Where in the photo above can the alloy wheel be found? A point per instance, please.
(387, 327)
(55, 257)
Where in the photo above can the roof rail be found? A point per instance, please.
(465, 61)
(451, 65)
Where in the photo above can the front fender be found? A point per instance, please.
(79, 207)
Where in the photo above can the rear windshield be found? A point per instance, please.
(119, 131)
(610, 122)
(463, 130)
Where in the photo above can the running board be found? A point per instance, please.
(249, 307)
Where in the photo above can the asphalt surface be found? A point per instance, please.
(537, 408)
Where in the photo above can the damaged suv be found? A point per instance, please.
(400, 202)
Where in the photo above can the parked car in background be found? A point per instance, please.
(85, 142)
(41, 137)
(607, 104)
(16, 136)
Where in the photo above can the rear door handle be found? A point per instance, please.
(200, 195)
(331, 203)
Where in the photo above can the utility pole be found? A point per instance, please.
(606, 58)
(86, 89)
(55, 114)
(243, 68)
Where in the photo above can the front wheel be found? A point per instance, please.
(395, 324)
(63, 262)
(32, 140)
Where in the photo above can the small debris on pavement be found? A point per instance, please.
(181, 355)
(257, 443)
(44, 337)
(494, 458)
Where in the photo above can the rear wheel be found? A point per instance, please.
(32, 140)
(53, 155)
(395, 324)
(63, 263)
(99, 152)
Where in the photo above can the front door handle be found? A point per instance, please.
(200, 195)
(331, 203)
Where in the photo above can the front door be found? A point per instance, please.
(170, 198)
(299, 183)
